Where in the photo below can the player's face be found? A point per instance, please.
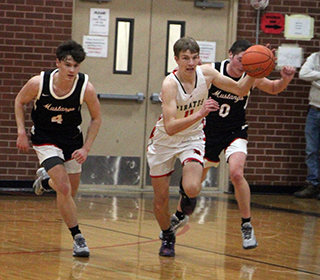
(68, 68)
(187, 62)
(235, 64)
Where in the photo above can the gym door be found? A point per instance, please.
(129, 100)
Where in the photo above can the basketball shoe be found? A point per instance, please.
(37, 185)
(167, 245)
(248, 239)
(176, 223)
(80, 248)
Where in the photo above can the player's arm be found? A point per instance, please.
(28, 92)
(91, 99)
(172, 124)
(276, 86)
(308, 70)
(240, 88)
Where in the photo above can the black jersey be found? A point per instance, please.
(231, 115)
(52, 114)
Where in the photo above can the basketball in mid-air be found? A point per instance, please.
(258, 61)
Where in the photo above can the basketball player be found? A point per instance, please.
(226, 130)
(179, 133)
(56, 135)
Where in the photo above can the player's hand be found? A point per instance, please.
(23, 143)
(80, 155)
(287, 72)
(273, 50)
(209, 105)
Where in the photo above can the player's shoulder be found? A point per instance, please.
(169, 87)
(209, 71)
(36, 78)
(90, 86)
(169, 80)
(90, 90)
(207, 68)
(35, 81)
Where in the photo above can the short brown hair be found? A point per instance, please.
(184, 44)
(71, 48)
(240, 46)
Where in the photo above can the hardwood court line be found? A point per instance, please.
(248, 259)
(183, 231)
(284, 210)
(254, 205)
(180, 245)
(132, 275)
(104, 203)
(66, 250)
(150, 240)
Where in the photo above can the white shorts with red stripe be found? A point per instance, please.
(164, 150)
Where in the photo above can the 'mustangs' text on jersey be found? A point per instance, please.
(231, 114)
(52, 113)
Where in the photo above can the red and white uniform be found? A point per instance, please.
(163, 150)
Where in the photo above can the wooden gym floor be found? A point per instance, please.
(122, 234)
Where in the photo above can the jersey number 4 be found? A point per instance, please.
(57, 119)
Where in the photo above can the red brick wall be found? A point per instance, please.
(276, 123)
(30, 31)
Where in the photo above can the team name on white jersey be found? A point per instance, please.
(191, 105)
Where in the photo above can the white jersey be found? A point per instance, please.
(188, 104)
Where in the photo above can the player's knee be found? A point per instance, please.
(64, 188)
(192, 189)
(236, 176)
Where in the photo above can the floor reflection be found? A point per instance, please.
(247, 271)
(78, 268)
(122, 235)
(171, 269)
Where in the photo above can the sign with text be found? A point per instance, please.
(207, 51)
(290, 55)
(95, 46)
(299, 27)
(272, 23)
(99, 22)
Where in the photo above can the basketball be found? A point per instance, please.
(258, 61)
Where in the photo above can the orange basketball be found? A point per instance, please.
(258, 61)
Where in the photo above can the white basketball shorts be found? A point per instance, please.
(47, 151)
(163, 150)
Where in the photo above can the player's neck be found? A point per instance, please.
(186, 77)
(188, 82)
(62, 86)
